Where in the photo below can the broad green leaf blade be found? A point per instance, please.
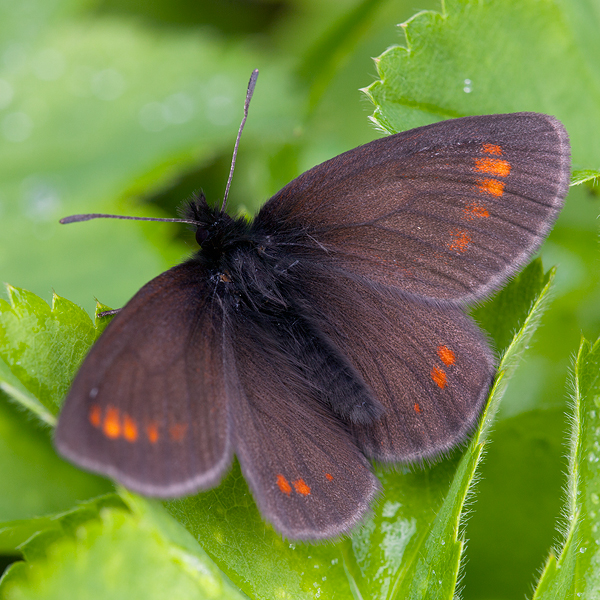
(579, 576)
(11, 385)
(526, 454)
(558, 578)
(381, 556)
(42, 346)
(227, 524)
(40, 350)
(370, 562)
(103, 551)
(14, 534)
(493, 57)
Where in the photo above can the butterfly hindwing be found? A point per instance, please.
(306, 473)
(149, 407)
(447, 211)
(428, 365)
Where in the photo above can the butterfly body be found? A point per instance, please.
(327, 332)
(256, 279)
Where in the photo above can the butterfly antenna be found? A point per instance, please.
(90, 216)
(251, 86)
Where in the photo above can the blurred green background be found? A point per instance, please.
(129, 107)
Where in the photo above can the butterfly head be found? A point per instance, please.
(216, 231)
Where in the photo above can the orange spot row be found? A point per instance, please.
(300, 485)
(116, 425)
(417, 408)
(491, 149)
(460, 242)
(439, 377)
(329, 476)
(493, 166)
(491, 186)
(474, 210)
(446, 355)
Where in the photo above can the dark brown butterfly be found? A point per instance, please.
(329, 331)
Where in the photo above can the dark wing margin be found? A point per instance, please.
(428, 365)
(148, 407)
(306, 473)
(447, 211)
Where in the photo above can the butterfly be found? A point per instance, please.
(328, 332)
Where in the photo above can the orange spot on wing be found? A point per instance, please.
(460, 242)
(130, 430)
(152, 432)
(491, 186)
(417, 408)
(329, 476)
(112, 423)
(301, 487)
(493, 166)
(491, 149)
(474, 210)
(439, 377)
(284, 484)
(178, 431)
(95, 415)
(446, 355)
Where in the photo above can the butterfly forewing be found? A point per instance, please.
(447, 211)
(149, 408)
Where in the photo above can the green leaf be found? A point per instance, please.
(10, 384)
(103, 551)
(493, 57)
(510, 527)
(42, 347)
(575, 573)
(228, 526)
(14, 533)
(40, 350)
